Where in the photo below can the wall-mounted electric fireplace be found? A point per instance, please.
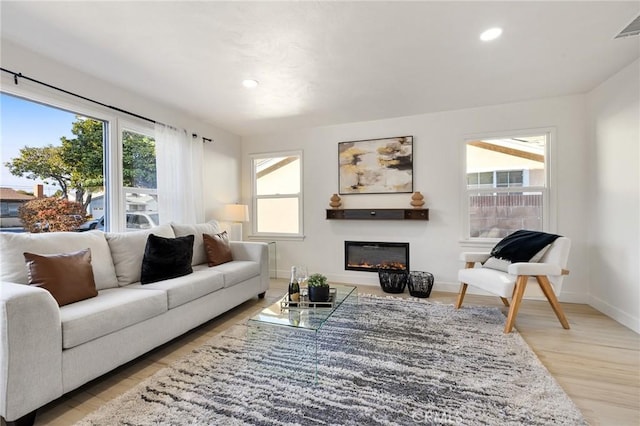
(369, 256)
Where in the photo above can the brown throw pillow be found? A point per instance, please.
(217, 248)
(67, 276)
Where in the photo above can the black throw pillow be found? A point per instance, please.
(166, 258)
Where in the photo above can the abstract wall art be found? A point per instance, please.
(376, 166)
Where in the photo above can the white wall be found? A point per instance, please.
(598, 146)
(438, 141)
(222, 170)
(614, 165)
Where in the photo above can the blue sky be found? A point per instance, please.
(25, 123)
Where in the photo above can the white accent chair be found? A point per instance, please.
(548, 273)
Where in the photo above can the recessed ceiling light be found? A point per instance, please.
(491, 34)
(250, 84)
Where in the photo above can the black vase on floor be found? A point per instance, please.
(420, 284)
(393, 280)
(319, 294)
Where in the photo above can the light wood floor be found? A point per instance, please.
(597, 362)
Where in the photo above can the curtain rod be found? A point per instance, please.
(17, 75)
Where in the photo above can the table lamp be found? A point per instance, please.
(236, 214)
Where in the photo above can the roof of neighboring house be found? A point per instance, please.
(10, 194)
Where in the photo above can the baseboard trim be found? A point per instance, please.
(454, 287)
(567, 297)
(615, 313)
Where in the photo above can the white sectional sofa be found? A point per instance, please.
(47, 350)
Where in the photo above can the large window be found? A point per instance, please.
(277, 194)
(506, 185)
(52, 165)
(77, 169)
(139, 179)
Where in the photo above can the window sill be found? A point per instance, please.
(275, 237)
(481, 243)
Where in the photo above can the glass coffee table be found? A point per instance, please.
(303, 317)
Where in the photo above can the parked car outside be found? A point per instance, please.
(92, 224)
(141, 220)
(135, 221)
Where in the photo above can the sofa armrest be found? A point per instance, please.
(474, 257)
(526, 268)
(30, 349)
(245, 250)
(256, 252)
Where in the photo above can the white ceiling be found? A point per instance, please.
(322, 63)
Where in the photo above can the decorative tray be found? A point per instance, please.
(306, 303)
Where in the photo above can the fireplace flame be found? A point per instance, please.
(385, 265)
(372, 256)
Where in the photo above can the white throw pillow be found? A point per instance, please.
(497, 264)
(127, 251)
(539, 255)
(503, 264)
(199, 252)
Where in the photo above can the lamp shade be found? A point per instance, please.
(235, 213)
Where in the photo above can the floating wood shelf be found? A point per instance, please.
(378, 214)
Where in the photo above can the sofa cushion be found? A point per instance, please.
(67, 276)
(166, 258)
(113, 310)
(217, 248)
(199, 255)
(238, 271)
(127, 251)
(13, 245)
(181, 290)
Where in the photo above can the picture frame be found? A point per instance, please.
(376, 166)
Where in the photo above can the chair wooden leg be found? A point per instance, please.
(463, 286)
(521, 284)
(463, 290)
(545, 285)
(505, 302)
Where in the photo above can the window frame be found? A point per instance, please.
(115, 220)
(255, 197)
(549, 190)
(142, 128)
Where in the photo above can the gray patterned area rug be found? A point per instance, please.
(385, 361)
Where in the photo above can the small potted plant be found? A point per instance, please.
(318, 288)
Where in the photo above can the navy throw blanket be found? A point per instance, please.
(522, 245)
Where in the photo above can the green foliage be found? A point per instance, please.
(317, 280)
(84, 157)
(77, 164)
(138, 161)
(51, 215)
(42, 163)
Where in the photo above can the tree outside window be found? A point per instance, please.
(64, 153)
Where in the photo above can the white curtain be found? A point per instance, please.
(179, 168)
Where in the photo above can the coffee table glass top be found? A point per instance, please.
(308, 318)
